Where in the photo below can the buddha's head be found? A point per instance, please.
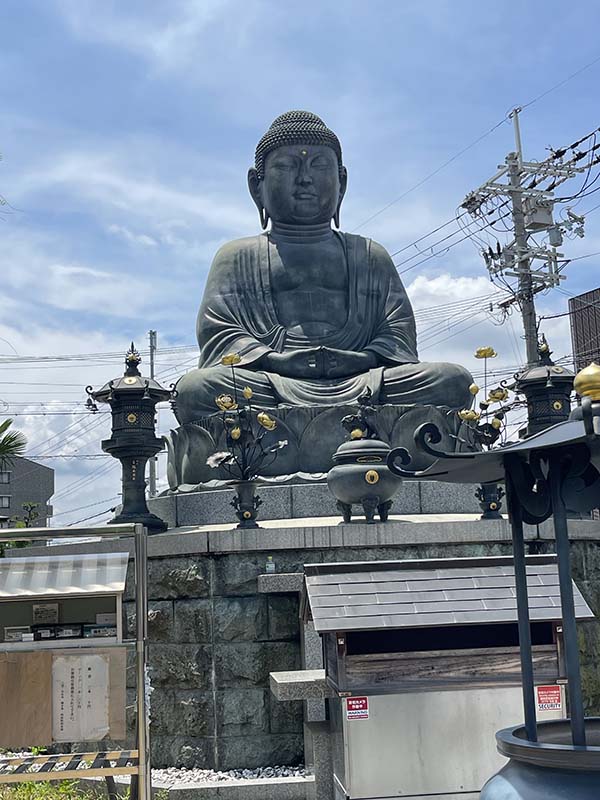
(298, 177)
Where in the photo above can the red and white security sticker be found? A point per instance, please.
(357, 708)
(548, 698)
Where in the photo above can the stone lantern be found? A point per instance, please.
(547, 389)
(132, 399)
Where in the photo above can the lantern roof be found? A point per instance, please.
(131, 383)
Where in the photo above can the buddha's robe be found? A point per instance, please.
(238, 315)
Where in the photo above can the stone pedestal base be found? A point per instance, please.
(313, 433)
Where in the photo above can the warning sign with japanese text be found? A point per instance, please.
(548, 698)
(357, 708)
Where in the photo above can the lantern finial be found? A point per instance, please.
(587, 382)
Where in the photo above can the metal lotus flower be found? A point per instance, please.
(225, 402)
(231, 359)
(485, 352)
(497, 395)
(267, 422)
(247, 392)
(468, 415)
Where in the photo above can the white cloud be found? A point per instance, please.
(169, 36)
(133, 238)
(106, 185)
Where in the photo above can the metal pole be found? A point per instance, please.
(514, 115)
(141, 616)
(516, 522)
(152, 338)
(561, 533)
(525, 290)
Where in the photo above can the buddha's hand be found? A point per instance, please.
(307, 363)
(344, 363)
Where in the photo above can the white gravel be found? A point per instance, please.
(172, 777)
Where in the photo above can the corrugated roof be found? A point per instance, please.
(53, 576)
(409, 594)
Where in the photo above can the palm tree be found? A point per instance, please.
(12, 443)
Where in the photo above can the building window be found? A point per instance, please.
(4, 477)
(4, 501)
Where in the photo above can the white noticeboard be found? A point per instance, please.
(80, 698)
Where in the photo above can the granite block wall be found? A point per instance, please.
(215, 638)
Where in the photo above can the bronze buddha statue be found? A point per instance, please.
(317, 316)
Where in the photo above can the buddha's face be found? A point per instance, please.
(301, 184)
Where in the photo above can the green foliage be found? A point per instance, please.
(12, 443)
(46, 790)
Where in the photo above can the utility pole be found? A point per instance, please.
(152, 339)
(531, 210)
(525, 295)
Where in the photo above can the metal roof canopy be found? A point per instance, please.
(61, 576)
(431, 593)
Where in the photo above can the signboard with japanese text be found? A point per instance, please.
(80, 698)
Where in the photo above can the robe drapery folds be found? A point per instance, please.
(238, 315)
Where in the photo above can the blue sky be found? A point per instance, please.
(126, 130)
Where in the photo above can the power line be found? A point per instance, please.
(431, 174)
(94, 516)
(89, 505)
(561, 83)
(473, 143)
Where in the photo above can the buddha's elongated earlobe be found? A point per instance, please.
(264, 218)
(343, 185)
(255, 187)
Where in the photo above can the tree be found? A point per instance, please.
(12, 444)
(30, 514)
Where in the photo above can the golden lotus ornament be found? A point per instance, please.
(357, 433)
(247, 392)
(231, 359)
(225, 402)
(485, 352)
(468, 415)
(235, 433)
(497, 395)
(266, 421)
(474, 389)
